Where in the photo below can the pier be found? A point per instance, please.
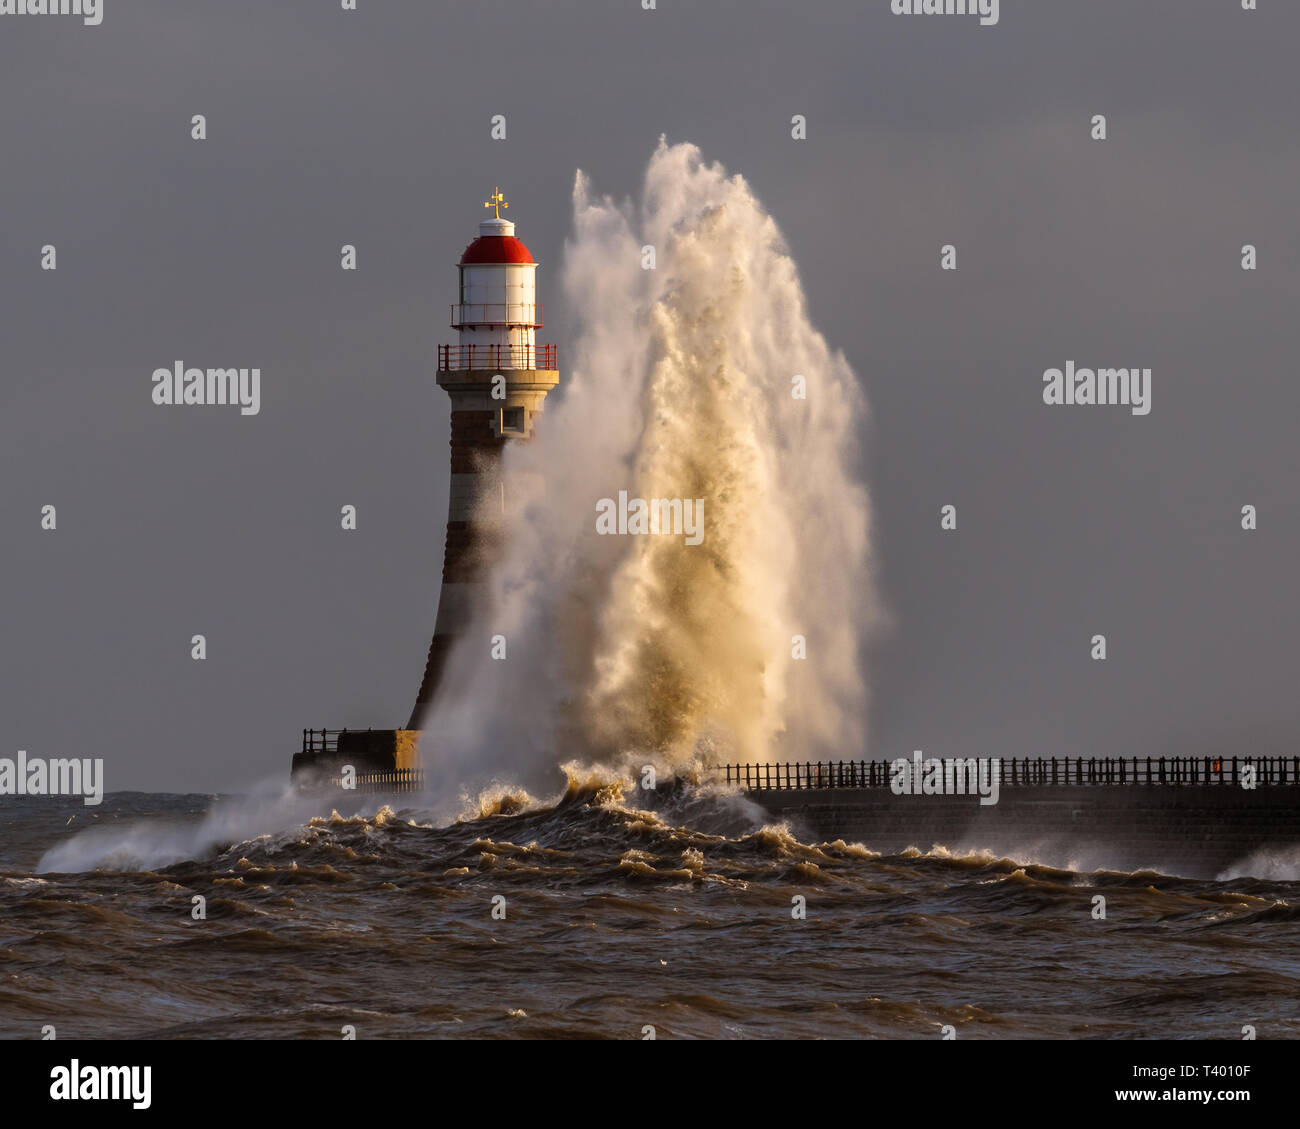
(379, 760)
(1029, 772)
(1193, 816)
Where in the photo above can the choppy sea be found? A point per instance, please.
(600, 912)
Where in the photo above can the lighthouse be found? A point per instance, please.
(497, 377)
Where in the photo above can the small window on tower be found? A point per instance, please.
(512, 420)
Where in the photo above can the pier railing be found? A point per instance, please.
(319, 741)
(1028, 772)
(399, 780)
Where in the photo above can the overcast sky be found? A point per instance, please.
(371, 127)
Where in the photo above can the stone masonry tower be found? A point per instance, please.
(497, 377)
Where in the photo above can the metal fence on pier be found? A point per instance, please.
(1029, 771)
(399, 780)
(320, 741)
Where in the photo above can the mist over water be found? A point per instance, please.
(274, 808)
(626, 649)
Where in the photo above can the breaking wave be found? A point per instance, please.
(702, 378)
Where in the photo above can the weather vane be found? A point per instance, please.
(496, 201)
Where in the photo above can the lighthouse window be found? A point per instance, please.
(512, 419)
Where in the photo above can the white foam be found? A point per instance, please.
(641, 649)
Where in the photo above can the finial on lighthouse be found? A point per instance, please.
(494, 224)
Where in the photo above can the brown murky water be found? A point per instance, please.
(615, 918)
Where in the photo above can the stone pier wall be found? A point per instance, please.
(1193, 830)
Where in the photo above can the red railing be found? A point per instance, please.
(459, 357)
(497, 313)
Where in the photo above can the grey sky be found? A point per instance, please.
(371, 127)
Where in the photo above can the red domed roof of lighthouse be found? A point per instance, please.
(495, 249)
(496, 243)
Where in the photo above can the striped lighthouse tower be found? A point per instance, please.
(497, 377)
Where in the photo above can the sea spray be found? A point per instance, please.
(702, 378)
(274, 812)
